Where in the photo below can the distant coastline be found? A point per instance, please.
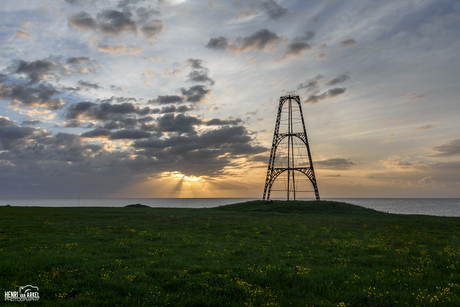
(420, 206)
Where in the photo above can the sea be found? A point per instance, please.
(415, 206)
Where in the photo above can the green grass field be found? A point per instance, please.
(248, 254)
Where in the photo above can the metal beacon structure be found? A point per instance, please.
(290, 153)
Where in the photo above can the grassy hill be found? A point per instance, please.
(247, 254)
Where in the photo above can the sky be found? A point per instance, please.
(178, 98)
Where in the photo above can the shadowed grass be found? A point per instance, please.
(248, 254)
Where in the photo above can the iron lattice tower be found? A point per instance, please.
(287, 139)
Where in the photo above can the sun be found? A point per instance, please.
(183, 186)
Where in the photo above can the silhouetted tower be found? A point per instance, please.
(290, 151)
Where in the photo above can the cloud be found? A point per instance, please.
(114, 23)
(337, 80)
(218, 43)
(35, 70)
(199, 73)
(89, 85)
(103, 111)
(222, 122)
(12, 135)
(74, 123)
(108, 22)
(262, 39)
(122, 49)
(96, 133)
(200, 76)
(297, 46)
(328, 94)
(131, 134)
(259, 40)
(399, 165)
(312, 84)
(82, 21)
(348, 43)
(204, 154)
(335, 164)
(448, 149)
(152, 29)
(172, 72)
(5, 121)
(172, 109)
(321, 57)
(22, 34)
(196, 63)
(31, 122)
(269, 7)
(167, 99)
(425, 127)
(176, 123)
(32, 96)
(195, 93)
(79, 60)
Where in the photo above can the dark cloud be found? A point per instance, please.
(217, 43)
(35, 70)
(112, 22)
(167, 99)
(200, 76)
(79, 60)
(273, 9)
(259, 40)
(118, 99)
(125, 3)
(295, 48)
(205, 154)
(298, 44)
(74, 123)
(83, 21)
(96, 133)
(31, 122)
(328, 94)
(89, 85)
(129, 122)
(269, 7)
(32, 96)
(74, 2)
(222, 122)
(152, 29)
(195, 93)
(448, 149)
(337, 80)
(145, 14)
(199, 72)
(312, 84)
(196, 63)
(348, 43)
(172, 109)
(115, 23)
(131, 134)
(3, 78)
(103, 111)
(34, 161)
(5, 121)
(335, 164)
(176, 123)
(12, 136)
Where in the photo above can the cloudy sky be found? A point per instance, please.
(178, 98)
